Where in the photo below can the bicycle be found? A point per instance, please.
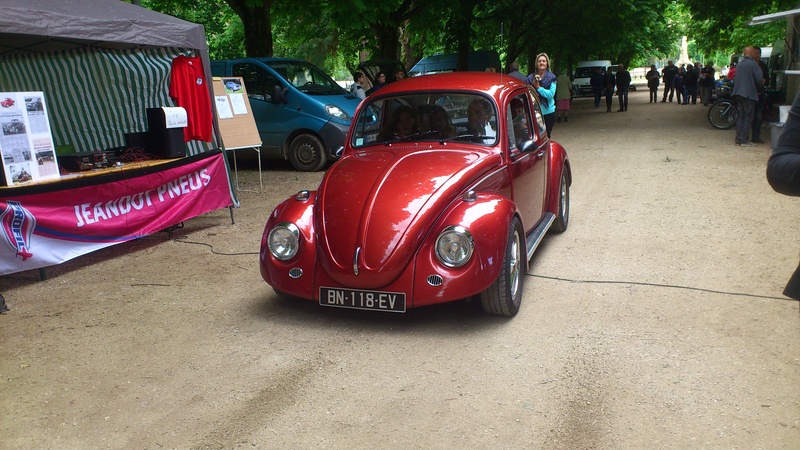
(722, 113)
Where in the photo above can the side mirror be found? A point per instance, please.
(526, 145)
(338, 152)
(279, 95)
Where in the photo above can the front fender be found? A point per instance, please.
(300, 283)
(487, 219)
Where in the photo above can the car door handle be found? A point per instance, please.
(540, 154)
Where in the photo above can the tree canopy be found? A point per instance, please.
(336, 34)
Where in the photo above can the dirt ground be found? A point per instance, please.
(655, 321)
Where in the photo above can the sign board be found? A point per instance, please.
(237, 125)
(26, 142)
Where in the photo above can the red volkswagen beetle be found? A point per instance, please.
(445, 187)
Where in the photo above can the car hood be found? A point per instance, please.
(375, 207)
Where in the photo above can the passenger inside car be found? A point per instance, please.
(478, 113)
(435, 122)
(403, 123)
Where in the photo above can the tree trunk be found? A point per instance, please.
(257, 24)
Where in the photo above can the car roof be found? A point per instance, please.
(492, 84)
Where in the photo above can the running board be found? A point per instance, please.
(535, 237)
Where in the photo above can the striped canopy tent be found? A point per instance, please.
(100, 64)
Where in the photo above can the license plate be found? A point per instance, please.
(358, 299)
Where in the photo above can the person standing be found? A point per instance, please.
(513, 70)
(746, 84)
(652, 83)
(690, 85)
(762, 98)
(677, 85)
(357, 89)
(669, 74)
(623, 84)
(611, 81)
(545, 84)
(783, 174)
(706, 83)
(598, 82)
(563, 96)
(380, 81)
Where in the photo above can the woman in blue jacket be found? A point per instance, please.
(544, 82)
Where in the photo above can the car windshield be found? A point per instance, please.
(430, 116)
(307, 78)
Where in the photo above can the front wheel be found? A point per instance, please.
(722, 115)
(504, 296)
(307, 153)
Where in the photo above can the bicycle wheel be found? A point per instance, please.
(722, 115)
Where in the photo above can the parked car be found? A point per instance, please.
(301, 114)
(581, 81)
(446, 185)
(477, 61)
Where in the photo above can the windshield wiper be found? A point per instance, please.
(479, 137)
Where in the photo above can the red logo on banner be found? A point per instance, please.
(17, 225)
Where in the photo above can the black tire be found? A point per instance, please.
(722, 115)
(562, 218)
(504, 296)
(307, 153)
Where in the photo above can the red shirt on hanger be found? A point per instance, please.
(189, 89)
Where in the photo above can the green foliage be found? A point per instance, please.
(224, 30)
(334, 34)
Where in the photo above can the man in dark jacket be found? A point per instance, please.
(623, 85)
(747, 82)
(598, 83)
(668, 74)
(608, 90)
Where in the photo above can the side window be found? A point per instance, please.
(540, 126)
(518, 117)
(260, 84)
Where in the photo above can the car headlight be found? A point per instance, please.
(336, 112)
(454, 246)
(284, 241)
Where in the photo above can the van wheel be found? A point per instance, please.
(307, 153)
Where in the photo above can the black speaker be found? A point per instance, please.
(162, 141)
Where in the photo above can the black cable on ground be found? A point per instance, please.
(638, 283)
(183, 239)
(670, 286)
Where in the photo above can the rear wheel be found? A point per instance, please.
(562, 219)
(504, 296)
(722, 115)
(307, 153)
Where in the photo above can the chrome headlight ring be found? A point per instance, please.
(284, 241)
(454, 246)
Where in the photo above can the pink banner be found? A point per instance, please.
(45, 228)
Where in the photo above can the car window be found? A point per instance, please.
(539, 129)
(518, 122)
(306, 78)
(260, 83)
(426, 117)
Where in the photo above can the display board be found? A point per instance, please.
(26, 142)
(237, 126)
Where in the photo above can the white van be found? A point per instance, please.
(583, 74)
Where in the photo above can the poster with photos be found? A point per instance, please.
(26, 142)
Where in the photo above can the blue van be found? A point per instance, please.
(301, 113)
